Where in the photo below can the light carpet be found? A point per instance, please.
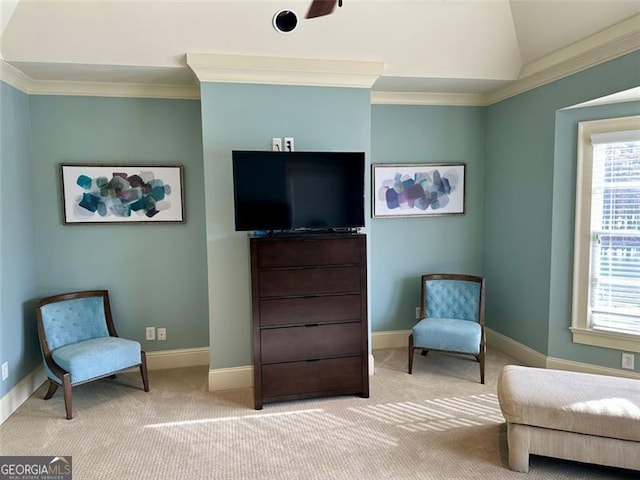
(439, 423)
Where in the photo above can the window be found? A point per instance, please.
(606, 283)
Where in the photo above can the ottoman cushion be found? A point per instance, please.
(574, 402)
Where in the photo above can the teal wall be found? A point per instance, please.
(564, 190)
(519, 198)
(155, 273)
(18, 337)
(240, 116)
(402, 249)
(516, 230)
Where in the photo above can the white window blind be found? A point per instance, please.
(614, 277)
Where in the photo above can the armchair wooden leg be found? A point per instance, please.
(143, 371)
(53, 386)
(481, 361)
(66, 385)
(410, 353)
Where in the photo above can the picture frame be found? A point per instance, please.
(417, 189)
(120, 193)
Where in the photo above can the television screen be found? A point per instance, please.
(298, 190)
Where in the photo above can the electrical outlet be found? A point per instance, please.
(417, 312)
(151, 333)
(5, 371)
(628, 361)
(276, 144)
(288, 144)
(162, 334)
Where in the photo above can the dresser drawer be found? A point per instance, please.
(283, 311)
(310, 342)
(331, 376)
(309, 281)
(312, 251)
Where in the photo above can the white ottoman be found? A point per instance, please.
(576, 416)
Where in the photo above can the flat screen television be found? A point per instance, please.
(298, 191)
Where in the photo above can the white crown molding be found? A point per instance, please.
(611, 43)
(619, 40)
(113, 89)
(283, 70)
(621, 33)
(14, 77)
(427, 98)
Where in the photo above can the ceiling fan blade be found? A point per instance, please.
(320, 8)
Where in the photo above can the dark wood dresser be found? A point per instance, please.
(309, 316)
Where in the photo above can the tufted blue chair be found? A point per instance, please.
(452, 313)
(80, 344)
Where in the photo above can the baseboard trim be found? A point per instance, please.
(184, 357)
(561, 364)
(516, 350)
(233, 378)
(520, 352)
(160, 360)
(242, 377)
(21, 392)
(390, 339)
(230, 378)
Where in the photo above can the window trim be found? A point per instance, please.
(580, 329)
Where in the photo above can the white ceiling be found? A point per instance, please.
(449, 46)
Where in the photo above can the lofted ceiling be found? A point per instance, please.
(424, 46)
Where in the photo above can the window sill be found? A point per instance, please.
(598, 338)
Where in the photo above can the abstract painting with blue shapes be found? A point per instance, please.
(122, 194)
(418, 190)
(102, 194)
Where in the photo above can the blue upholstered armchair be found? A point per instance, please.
(80, 344)
(452, 313)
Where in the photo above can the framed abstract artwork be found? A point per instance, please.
(119, 193)
(417, 190)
